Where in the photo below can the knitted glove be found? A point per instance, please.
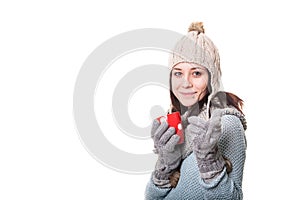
(205, 144)
(169, 154)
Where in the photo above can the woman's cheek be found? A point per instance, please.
(175, 84)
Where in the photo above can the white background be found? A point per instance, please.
(43, 45)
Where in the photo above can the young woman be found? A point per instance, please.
(209, 164)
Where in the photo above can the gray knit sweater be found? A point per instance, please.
(232, 145)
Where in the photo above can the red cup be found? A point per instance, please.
(174, 120)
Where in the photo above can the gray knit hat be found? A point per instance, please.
(197, 48)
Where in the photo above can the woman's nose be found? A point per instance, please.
(186, 82)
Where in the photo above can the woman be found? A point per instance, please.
(209, 164)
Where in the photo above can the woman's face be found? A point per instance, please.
(189, 83)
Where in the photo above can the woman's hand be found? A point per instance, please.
(169, 154)
(205, 144)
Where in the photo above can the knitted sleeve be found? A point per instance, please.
(232, 145)
(155, 193)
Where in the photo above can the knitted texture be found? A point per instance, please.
(232, 145)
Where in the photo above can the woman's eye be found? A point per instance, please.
(177, 74)
(197, 73)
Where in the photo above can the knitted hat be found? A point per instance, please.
(197, 48)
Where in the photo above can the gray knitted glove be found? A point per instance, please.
(169, 154)
(205, 144)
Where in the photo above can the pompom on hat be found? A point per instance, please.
(196, 47)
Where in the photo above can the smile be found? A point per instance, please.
(187, 93)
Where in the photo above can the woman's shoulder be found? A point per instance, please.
(233, 126)
(232, 117)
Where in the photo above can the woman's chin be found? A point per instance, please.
(188, 103)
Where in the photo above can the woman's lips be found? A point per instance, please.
(187, 93)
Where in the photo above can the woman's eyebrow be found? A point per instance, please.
(177, 68)
(197, 68)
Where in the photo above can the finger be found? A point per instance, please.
(166, 136)
(214, 126)
(172, 143)
(213, 140)
(215, 120)
(155, 151)
(197, 124)
(160, 130)
(155, 125)
(199, 138)
(214, 133)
